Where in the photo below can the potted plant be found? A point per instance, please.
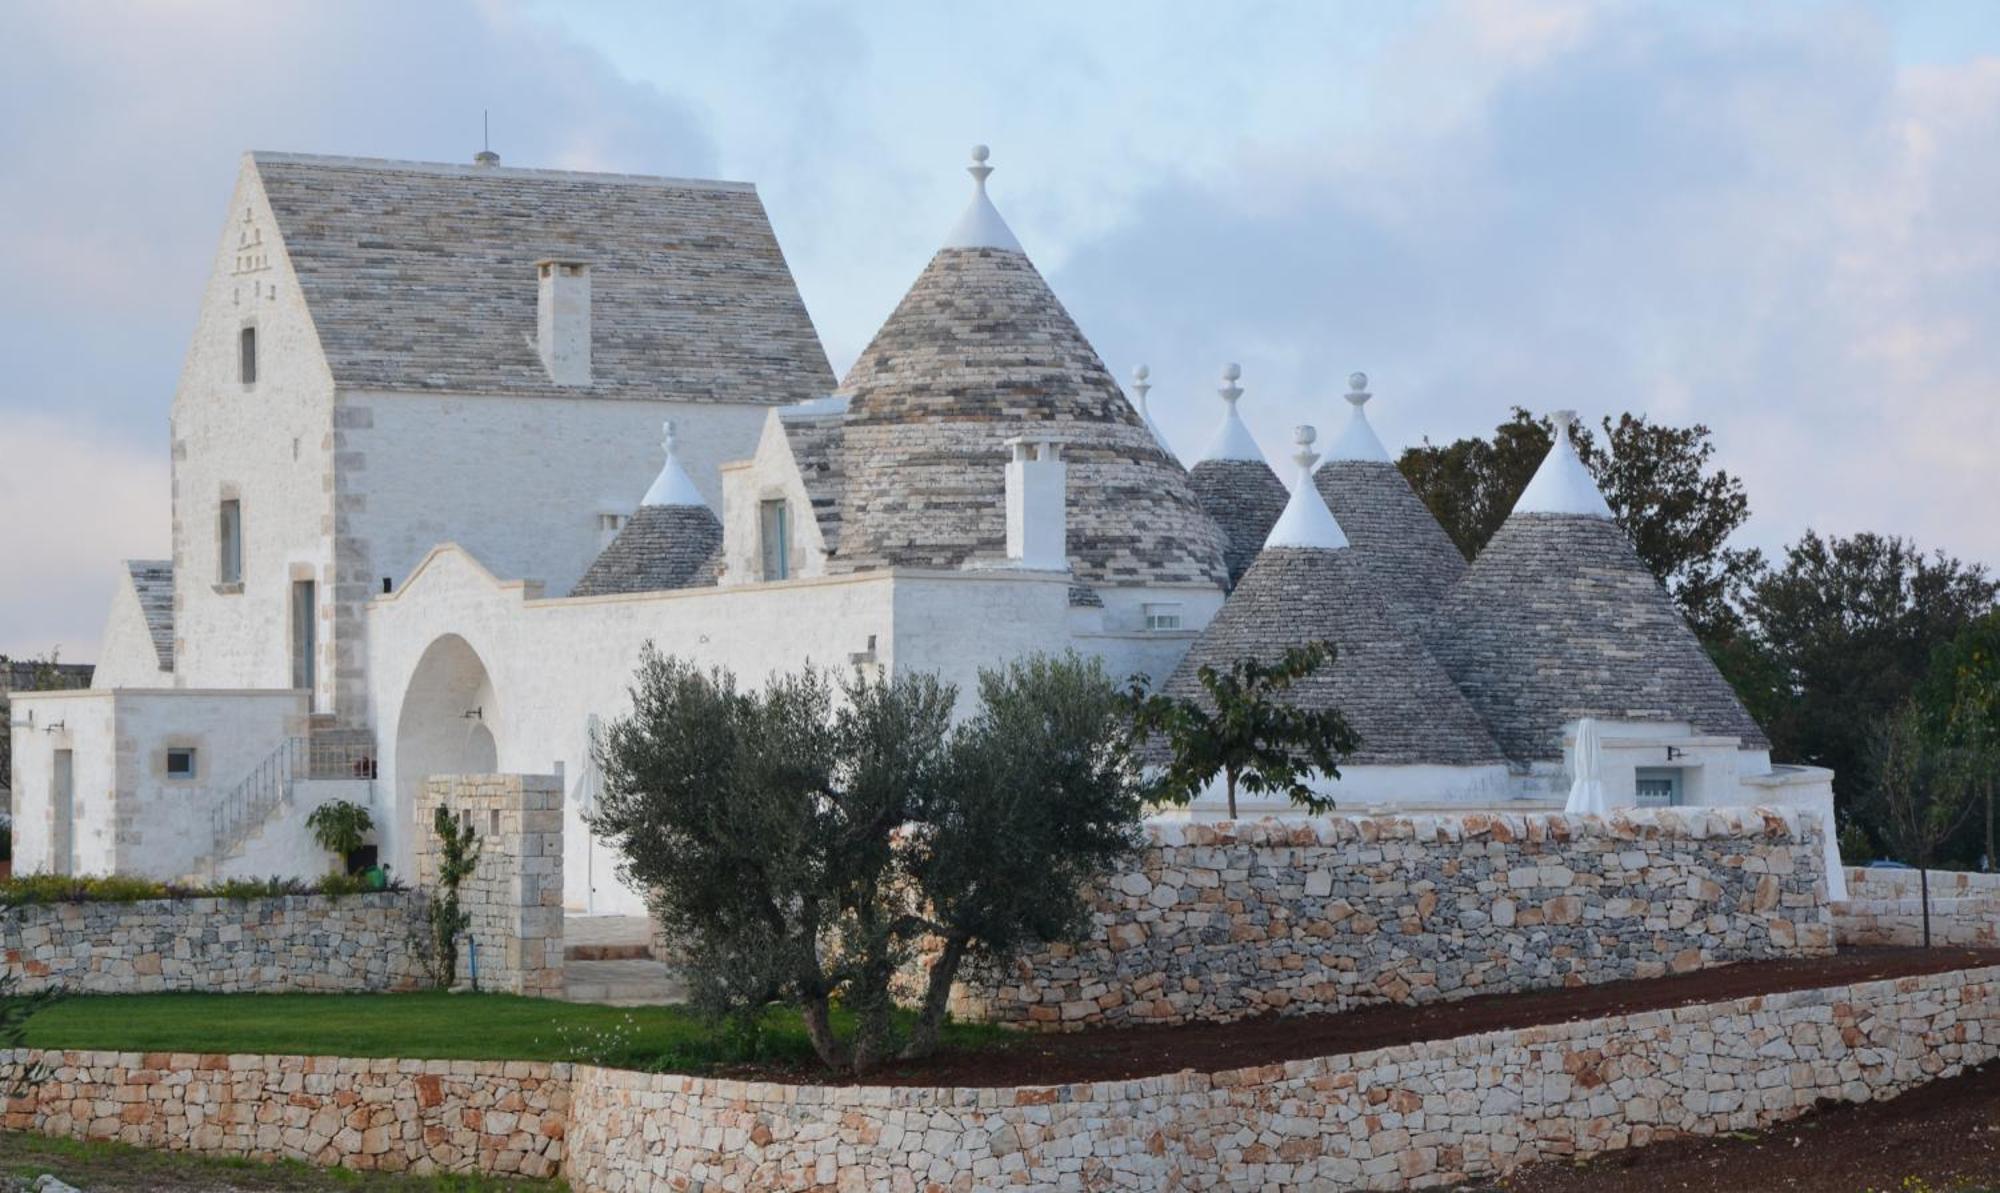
(340, 828)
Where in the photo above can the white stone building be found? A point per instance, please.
(422, 523)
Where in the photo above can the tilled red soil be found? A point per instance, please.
(1213, 1048)
(1938, 1137)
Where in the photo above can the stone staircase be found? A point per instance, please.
(609, 959)
(258, 827)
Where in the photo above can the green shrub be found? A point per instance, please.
(65, 888)
(340, 827)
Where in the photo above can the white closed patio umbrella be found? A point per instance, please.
(1586, 792)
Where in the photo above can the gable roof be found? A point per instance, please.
(153, 581)
(1391, 690)
(815, 435)
(979, 352)
(420, 276)
(1559, 619)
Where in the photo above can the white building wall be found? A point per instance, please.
(125, 654)
(771, 473)
(82, 722)
(270, 445)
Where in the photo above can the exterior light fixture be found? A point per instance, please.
(474, 714)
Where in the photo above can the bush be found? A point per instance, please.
(64, 888)
(340, 827)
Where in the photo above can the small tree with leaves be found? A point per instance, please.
(1922, 792)
(446, 918)
(339, 827)
(1243, 729)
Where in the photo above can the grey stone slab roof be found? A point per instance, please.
(980, 351)
(153, 580)
(660, 547)
(1244, 498)
(815, 441)
(1559, 619)
(1383, 680)
(422, 277)
(1414, 562)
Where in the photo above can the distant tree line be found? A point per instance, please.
(1853, 652)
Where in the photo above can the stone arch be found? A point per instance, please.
(446, 725)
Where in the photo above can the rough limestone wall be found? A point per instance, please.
(294, 942)
(1885, 907)
(505, 1118)
(514, 895)
(1397, 1118)
(1218, 922)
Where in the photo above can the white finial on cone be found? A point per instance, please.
(1563, 485)
(1357, 440)
(981, 226)
(1306, 522)
(673, 486)
(1232, 439)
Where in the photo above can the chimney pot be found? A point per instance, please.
(562, 328)
(1037, 496)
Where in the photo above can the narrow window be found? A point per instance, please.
(247, 356)
(229, 543)
(775, 533)
(180, 762)
(1163, 618)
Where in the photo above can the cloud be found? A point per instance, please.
(1776, 230)
(76, 504)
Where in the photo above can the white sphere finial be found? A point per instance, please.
(979, 169)
(1142, 386)
(1231, 371)
(1229, 390)
(1564, 420)
(980, 153)
(1304, 435)
(667, 437)
(1305, 457)
(1357, 382)
(1141, 372)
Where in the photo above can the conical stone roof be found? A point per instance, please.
(1400, 702)
(1559, 619)
(979, 352)
(673, 541)
(1414, 562)
(1235, 485)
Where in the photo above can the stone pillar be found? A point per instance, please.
(514, 896)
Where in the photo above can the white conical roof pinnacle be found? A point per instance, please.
(1563, 485)
(673, 486)
(981, 226)
(1142, 385)
(1357, 440)
(1306, 521)
(1232, 439)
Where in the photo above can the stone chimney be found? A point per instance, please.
(562, 331)
(1037, 520)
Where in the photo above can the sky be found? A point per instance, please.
(1775, 220)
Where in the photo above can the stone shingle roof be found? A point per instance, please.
(1412, 559)
(421, 276)
(1559, 619)
(1383, 680)
(660, 547)
(153, 580)
(1244, 498)
(980, 351)
(815, 440)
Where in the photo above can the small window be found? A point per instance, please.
(180, 762)
(1163, 618)
(247, 356)
(229, 543)
(774, 524)
(1658, 787)
(610, 523)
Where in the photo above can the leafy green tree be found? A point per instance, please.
(804, 842)
(1660, 482)
(1837, 639)
(458, 856)
(1921, 791)
(339, 827)
(1243, 729)
(1960, 695)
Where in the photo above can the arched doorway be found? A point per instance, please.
(445, 728)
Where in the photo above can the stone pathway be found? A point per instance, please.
(608, 959)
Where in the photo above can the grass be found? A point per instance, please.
(117, 1168)
(430, 1026)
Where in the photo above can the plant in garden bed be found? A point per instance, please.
(805, 842)
(62, 888)
(340, 828)
(444, 918)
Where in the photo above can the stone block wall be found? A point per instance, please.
(1222, 921)
(1885, 907)
(514, 896)
(504, 1118)
(1413, 1116)
(297, 942)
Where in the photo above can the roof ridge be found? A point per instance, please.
(263, 157)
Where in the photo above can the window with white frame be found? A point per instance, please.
(180, 762)
(1163, 617)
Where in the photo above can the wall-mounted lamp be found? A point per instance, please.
(474, 714)
(1674, 752)
(54, 726)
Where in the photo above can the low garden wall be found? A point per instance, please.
(501, 1118)
(1219, 922)
(286, 942)
(1885, 907)
(1397, 1118)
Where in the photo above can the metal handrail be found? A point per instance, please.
(268, 786)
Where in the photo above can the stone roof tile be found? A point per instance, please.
(153, 580)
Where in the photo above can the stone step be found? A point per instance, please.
(625, 951)
(622, 983)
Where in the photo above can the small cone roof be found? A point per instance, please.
(1235, 485)
(674, 540)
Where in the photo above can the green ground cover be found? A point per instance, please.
(428, 1026)
(117, 1168)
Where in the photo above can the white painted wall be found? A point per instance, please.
(771, 473)
(87, 728)
(125, 655)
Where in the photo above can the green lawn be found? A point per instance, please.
(424, 1025)
(116, 1168)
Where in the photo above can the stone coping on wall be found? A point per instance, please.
(1886, 907)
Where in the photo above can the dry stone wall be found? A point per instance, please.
(295, 942)
(514, 895)
(499, 1117)
(1885, 907)
(1407, 1117)
(1218, 922)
